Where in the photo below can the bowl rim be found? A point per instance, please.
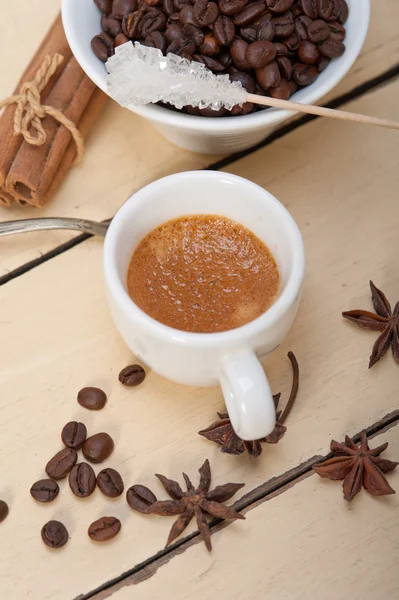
(239, 123)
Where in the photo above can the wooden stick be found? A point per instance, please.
(321, 111)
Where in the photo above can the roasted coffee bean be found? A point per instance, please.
(172, 19)
(193, 33)
(225, 58)
(224, 30)
(121, 39)
(110, 25)
(174, 32)
(82, 480)
(192, 110)
(318, 31)
(259, 54)
(281, 49)
(279, 6)
(92, 398)
(343, 15)
(329, 10)
(131, 24)
(209, 112)
(338, 31)
(156, 40)
(152, 3)
(268, 76)
(309, 7)
(168, 7)
(249, 33)
(266, 30)
(284, 25)
(103, 46)
(246, 80)
(3, 510)
(238, 51)
(185, 48)
(154, 20)
(308, 53)
(281, 91)
(232, 7)
(285, 66)
(104, 5)
(210, 63)
(98, 447)
(120, 8)
(74, 434)
(209, 46)
(104, 529)
(45, 490)
(186, 16)
(332, 48)
(323, 63)
(180, 4)
(304, 74)
(249, 14)
(140, 498)
(61, 464)
(134, 374)
(302, 24)
(292, 42)
(110, 483)
(205, 12)
(293, 87)
(243, 109)
(54, 534)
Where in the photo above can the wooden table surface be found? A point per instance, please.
(300, 538)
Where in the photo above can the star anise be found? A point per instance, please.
(221, 432)
(358, 466)
(385, 321)
(196, 502)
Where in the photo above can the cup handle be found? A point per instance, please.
(248, 397)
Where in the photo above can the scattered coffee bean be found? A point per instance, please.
(110, 25)
(98, 447)
(246, 80)
(329, 10)
(104, 529)
(224, 30)
(238, 50)
(250, 14)
(205, 12)
(193, 33)
(156, 40)
(121, 7)
(268, 76)
(121, 39)
(309, 7)
(304, 74)
(323, 63)
(104, 5)
(279, 6)
(281, 91)
(3, 510)
(45, 490)
(266, 30)
(285, 66)
(284, 25)
(132, 375)
(249, 33)
(302, 24)
(338, 31)
(74, 434)
(259, 54)
(140, 498)
(54, 534)
(61, 464)
(343, 16)
(110, 483)
(82, 480)
(209, 46)
(232, 7)
(103, 46)
(131, 24)
(92, 398)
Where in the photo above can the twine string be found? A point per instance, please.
(29, 111)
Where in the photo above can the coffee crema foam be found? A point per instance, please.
(203, 274)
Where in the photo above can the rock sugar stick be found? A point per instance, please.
(139, 75)
(53, 108)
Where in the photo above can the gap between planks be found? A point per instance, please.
(371, 85)
(263, 493)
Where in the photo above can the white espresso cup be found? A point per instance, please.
(230, 358)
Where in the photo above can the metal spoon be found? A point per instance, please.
(93, 227)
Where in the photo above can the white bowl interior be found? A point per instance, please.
(81, 20)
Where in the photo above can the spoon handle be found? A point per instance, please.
(24, 225)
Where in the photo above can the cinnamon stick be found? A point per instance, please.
(33, 169)
(55, 41)
(5, 198)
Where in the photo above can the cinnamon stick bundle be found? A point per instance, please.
(31, 174)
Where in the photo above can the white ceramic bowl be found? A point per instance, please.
(224, 135)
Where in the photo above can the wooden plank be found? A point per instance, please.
(125, 153)
(305, 543)
(57, 336)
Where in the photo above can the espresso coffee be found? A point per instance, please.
(203, 274)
